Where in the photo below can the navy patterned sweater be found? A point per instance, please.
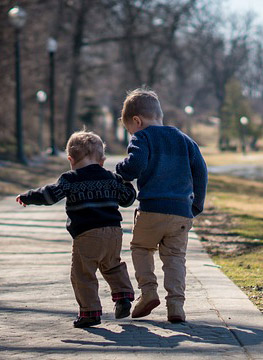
(93, 195)
(170, 171)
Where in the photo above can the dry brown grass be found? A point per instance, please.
(15, 178)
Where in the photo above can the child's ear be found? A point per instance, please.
(137, 120)
(101, 163)
(71, 160)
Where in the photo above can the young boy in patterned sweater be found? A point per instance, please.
(93, 195)
(171, 177)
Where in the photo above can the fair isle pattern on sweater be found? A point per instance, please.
(93, 195)
(88, 191)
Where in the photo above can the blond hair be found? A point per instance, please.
(141, 101)
(83, 144)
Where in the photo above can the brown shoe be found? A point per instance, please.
(148, 301)
(176, 313)
(175, 319)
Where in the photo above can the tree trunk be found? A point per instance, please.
(75, 68)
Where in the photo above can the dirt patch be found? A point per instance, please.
(216, 231)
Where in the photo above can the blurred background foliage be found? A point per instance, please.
(191, 52)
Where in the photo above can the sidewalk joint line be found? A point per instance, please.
(210, 301)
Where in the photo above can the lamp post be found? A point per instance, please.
(189, 110)
(17, 18)
(243, 121)
(52, 48)
(41, 99)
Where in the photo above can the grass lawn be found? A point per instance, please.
(214, 157)
(231, 228)
(247, 272)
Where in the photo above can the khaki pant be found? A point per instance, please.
(98, 249)
(169, 233)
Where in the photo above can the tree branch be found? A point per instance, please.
(116, 39)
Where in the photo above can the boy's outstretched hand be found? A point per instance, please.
(20, 201)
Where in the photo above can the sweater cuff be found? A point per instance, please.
(124, 175)
(24, 198)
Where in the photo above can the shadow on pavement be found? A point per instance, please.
(25, 310)
(142, 336)
(26, 237)
(137, 337)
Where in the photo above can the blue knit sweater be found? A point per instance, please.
(170, 171)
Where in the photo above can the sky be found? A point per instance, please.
(242, 6)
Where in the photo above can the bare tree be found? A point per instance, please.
(224, 57)
(81, 18)
(185, 49)
(150, 30)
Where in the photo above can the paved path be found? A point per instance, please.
(37, 304)
(251, 172)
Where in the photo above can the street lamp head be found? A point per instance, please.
(17, 17)
(243, 120)
(52, 45)
(157, 21)
(189, 110)
(41, 96)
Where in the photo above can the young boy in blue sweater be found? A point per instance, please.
(93, 195)
(171, 178)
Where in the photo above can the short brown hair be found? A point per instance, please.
(83, 143)
(141, 101)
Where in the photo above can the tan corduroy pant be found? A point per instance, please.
(98, 249)
(169, 234)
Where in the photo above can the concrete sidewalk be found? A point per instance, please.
(37, 304)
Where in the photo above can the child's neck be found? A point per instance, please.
(155, 122)
(84, 162)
